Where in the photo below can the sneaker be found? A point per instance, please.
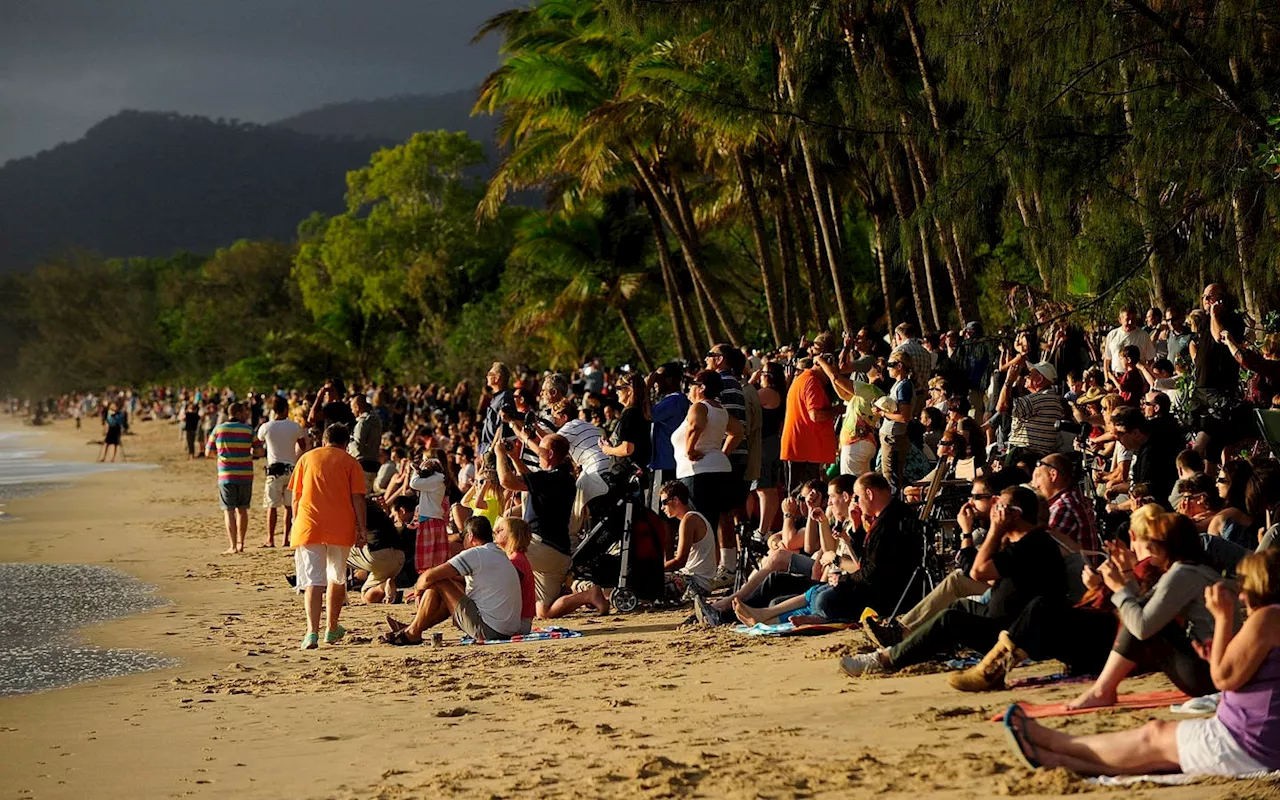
(865, 664)
(885, 635)
(723, 579)
(334, 635)
(292, 579)
(705, 613)
(310, 642)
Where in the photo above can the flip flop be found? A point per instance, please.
(394, 624)
(399, 639)
(1015, 729)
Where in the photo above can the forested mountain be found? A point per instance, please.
(148, 184)
(396, 118)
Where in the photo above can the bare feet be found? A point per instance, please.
(598, 601)
(268, 543)
(230, 551)
(1093, 698)
(746, 614)
(807, 619)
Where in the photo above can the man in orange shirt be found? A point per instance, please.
(808, 433)
(328, 520)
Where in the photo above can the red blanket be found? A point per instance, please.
(1141, 700)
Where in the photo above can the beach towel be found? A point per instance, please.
(1176, 780)
(1056, 679)
(1125, 701)
(788, 629)
(536, 635)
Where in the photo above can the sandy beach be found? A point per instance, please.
(639, 706)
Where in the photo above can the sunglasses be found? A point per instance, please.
(894, 364)
(981, 496)
(1148, 403)
(665, 501)
(1220, 481)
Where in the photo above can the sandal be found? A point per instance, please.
(395, 624)
(1015, 730)
(398, 639)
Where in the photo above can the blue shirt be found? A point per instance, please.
(666, 414)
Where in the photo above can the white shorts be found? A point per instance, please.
(277, 494)
(320, 564)
(1206, 747)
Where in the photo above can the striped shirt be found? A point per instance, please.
(1071, 514)
(734, 401)
(584, 446)
(1035, 421)
(233, 441)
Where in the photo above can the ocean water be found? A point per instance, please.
(26, 469)
(42, 606)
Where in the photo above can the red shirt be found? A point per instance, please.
(805, 438)
(521, 562)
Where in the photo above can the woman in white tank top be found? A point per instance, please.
(701, 443)
(695, 561)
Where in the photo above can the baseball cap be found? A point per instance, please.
(1046, 369)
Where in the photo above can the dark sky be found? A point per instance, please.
(66, 64)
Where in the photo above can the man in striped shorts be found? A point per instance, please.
(233, 443)
(1034, 416)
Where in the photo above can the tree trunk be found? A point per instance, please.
(668, 276)
(898, 192)
(817, 308)
(696, 345)
(926, 253)
(1140, 191)
(882, 261)
(837, 220)
(708, 319)
(1032, 229)
(629, 326)
(826, 228)
(1246, 205)
(688, 243)
(776, 325)
(790, 274)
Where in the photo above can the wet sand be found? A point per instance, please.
(639, 707)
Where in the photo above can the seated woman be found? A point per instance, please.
(958, 464)
(1242, 505)
(1155, 625)
(1241, 739)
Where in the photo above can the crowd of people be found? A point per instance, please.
(1099, 499)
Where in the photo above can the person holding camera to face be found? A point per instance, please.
(432, 542)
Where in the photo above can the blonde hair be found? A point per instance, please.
(519, 534)
(1142, 521)
(1109, 403)
(1259, 575)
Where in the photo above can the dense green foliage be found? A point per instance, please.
(738, 171)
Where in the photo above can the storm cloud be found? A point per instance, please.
(66, 64)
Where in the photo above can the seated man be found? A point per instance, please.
(788, 569)
(694, 563)
(488, 607)
(549, 499)
(885, 545)
(973, 518)
(381, 557)
(1029, 566)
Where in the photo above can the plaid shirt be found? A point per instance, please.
(921, 361)
(1070, 513)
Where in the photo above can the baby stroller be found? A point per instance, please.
(623, 548)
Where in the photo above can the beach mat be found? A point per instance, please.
(536, 635)
(1177, 779)
(787, 629)
(1125, 701)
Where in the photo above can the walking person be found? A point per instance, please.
(328, 520)
(232, 441)
(285, 440)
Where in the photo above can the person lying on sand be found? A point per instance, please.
(1242, 738)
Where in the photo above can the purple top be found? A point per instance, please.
(1252, 714)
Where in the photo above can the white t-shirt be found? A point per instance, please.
(492, 584)
(281, 435)
(1118, 340)
(584, 446)
(430, 495)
